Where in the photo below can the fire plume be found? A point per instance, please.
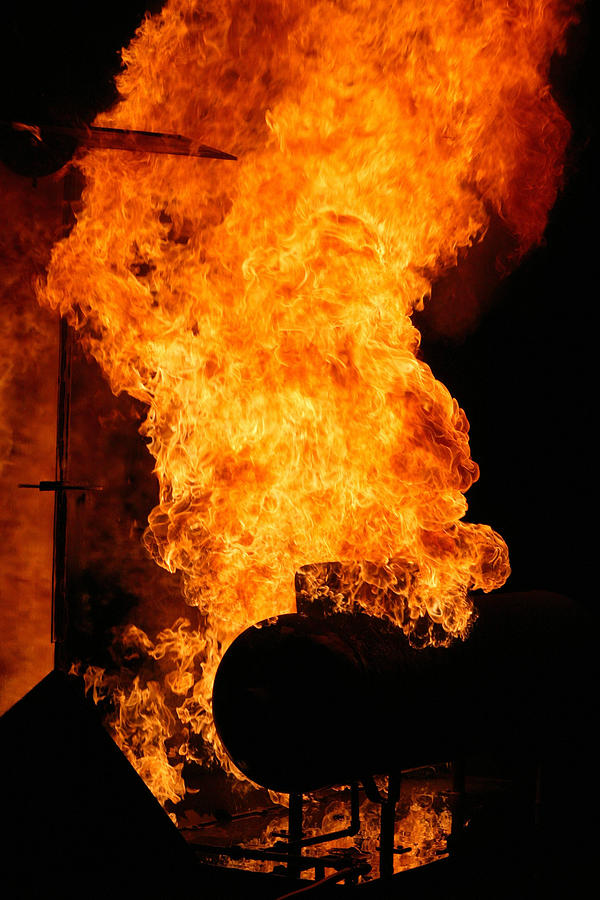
(261, 309)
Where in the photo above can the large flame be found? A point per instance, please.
(262, 308)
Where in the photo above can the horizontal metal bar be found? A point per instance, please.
(61, 486)
(95, 137)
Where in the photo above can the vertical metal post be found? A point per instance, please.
(354, 826)
(294, 832)
(388, 822)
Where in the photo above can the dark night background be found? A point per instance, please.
(525, 375)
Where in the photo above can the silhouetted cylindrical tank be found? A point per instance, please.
(304, 701)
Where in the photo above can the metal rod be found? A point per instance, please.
(294, 832)
(388, 822)
(59, 558)
(371, 790)
(458, 807)
(342, 875)
(270, 855)
(61, 486)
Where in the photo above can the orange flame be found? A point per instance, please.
(261, 309)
